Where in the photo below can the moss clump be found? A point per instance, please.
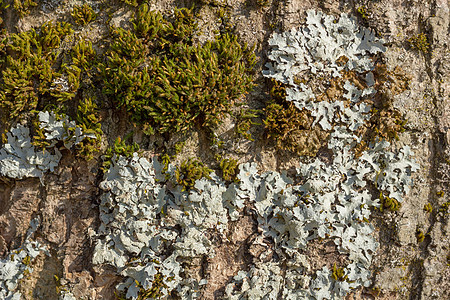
(133, 3)
(428, 207)
(289, 127)
(229, 169)
(156, 291)
(386, 122)
(338, 274)
(440, 193)
(445, 208)
(263, 3)
(39, 139)
(362, 11)
(391, 204)
(189, 172)
(420, 236)
(245, 120)
(89, 122)
(30, 75)
(23, 6)
(83, 14)
(3, 6)
(83, 55)
(166, 82)
(420, 42)
(119, 148)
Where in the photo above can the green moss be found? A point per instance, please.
(165, 160)
(362, 11)
(229, 169)
(83, 55)
(154, 292)
(133, 3)
(440, 193)
(386, 122)
(245, 121)
(445, 208)
(428, 207)
(263, 3)
(83, 14)
(23, 7)
(29, 70)
(420, 42)
(89, 122)
(166, 83)
(39, 138)
(338, 274)
(189, 172)
(120, 148)
(26, 260)
(420, 236)
(388, 203)
(3, 6)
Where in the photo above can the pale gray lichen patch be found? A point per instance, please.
(334, 199)
(61, 129)
(15, 266)
(143, 215)
(20, 159)
(317, 49)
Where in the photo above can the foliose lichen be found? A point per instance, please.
(19, 158)
(334, 202)
(17, 264)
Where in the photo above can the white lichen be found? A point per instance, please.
(140, 211)
(19, 158)
(61, 129)
(333, 201)
(17, 264)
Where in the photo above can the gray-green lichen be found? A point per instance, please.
(16, 265)
(20, 159)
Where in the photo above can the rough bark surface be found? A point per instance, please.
(402, 267)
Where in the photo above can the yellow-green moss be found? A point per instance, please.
(420, 42)
(428, 207)
(362, 11)
(166, 82)
(120, 148)
(23, 7)
(338, 274)
(229, 169)
(83, 14)
(89, 122)
(30, 70)
(245, 119)
(189, 172)
(388, 203)
(420, 236)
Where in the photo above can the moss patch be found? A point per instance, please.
(166, 82)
